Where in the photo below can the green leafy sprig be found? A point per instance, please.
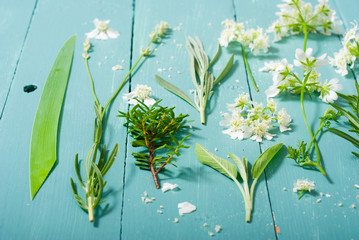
(230, 170)
(352, 116)
(93, 184)
(301, 154)
(154, 130)
(202, 78)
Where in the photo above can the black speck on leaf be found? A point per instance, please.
(30, 88)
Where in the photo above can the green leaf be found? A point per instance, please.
(263, 160)
(44, 131)
(216, 56)
(242, 166)
(175, 90)
(225, 71)
(221, 165)
(352, 119)
(346, 136)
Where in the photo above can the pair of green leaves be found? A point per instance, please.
(202, 79)
(230, 170)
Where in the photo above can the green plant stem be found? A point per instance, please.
(305, 37)
(248, 69)
(124, 80)
(90, 209)
(91, 80)
(301, 194)
(317, 164)
(203, 115)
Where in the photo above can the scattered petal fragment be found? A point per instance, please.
(185, 208)
(168, 186)
(117, 67)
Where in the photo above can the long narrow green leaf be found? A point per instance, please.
(44, 132)
(263, 160)
(175, 90)
(221, 165)
(225, 71)
(216, 56)
(346, 136)
(352, 119)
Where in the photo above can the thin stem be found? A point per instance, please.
(91, 80)
(203, 116)
(315, 135)
(301, 194)
(248, 69)
(305, 37)
(123, 81)
(119, 87)
(306, 122)
(90, 209)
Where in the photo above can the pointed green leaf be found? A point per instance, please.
(346, 136)
(216, 56)
(221, 165)
(175, 90)
(241, 166)
(44, 132)
(263, 160)
(225, 71)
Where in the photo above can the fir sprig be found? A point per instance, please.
(154, 129)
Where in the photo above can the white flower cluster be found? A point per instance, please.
(284, 79)
(141, 93)
(296, 15)
(102, 31)
(303, 185)
(251, 119)
(160, 31)
(348, 54)
(255, 39)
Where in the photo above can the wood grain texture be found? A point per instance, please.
(305, 218)
(14, 24)
(217, 198)
(54, 213)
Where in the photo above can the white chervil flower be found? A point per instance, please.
(227, 35)
(102, 31)
(141, 93)
(328, 90)
(303, 185)
(279, 30)
(240, 102)
(260, 41)
(341, 60)
(237, 126)
(306, 61)
(260, 130)
(284, 120)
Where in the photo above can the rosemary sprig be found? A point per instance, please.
(154, 129)
(96, 169)
(202, 78)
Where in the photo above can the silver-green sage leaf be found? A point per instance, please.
(221, 165)
(175, 90)
(44, 131)
(263, 160)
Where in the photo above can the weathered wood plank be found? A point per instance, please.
(54, 213)
(217, 199)
(15, 22)
(305, 218)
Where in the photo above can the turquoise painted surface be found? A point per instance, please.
(54, 214)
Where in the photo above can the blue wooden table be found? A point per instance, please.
(33, 32)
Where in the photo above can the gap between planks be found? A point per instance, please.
(128, 108)
(19, 57)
